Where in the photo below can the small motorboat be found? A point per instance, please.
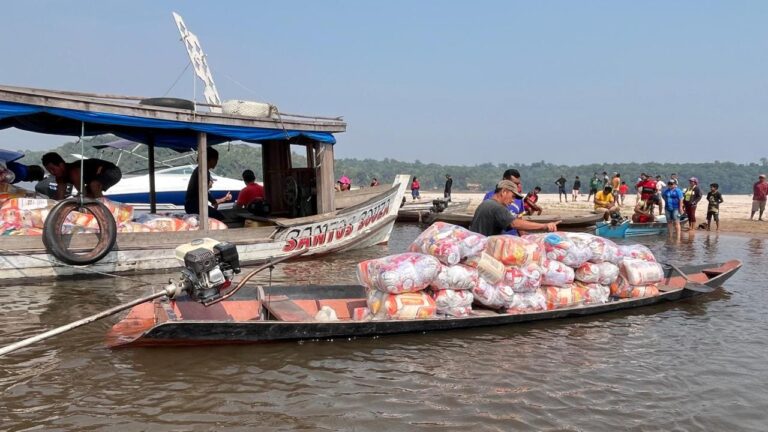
(202, 314)
(426, 212)
(627, 228)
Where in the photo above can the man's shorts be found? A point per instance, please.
(713, 215)
(109, 177)
(672, 215)
(575, 191)
(758, 205)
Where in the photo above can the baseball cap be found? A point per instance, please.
(693, 179)
(761, 176)
(509, 185)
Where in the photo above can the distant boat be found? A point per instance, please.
(171, 187)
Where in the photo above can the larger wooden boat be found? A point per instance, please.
(305, 212)
(280, 313)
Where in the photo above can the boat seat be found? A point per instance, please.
(284, 309)
(716, 270)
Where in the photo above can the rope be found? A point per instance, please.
(177, 79)
(87, 270)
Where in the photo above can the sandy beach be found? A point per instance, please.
(734, 211)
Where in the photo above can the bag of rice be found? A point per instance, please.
(457, 277)
(452, 302)
(641, 272)
(405, 272)
(409, 305)
(513, 250)
(494, 296)
(534, 301)
(565, 297)
(556, 273)
(525, 278)
(448, 243)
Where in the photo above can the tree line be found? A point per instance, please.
(733, 178)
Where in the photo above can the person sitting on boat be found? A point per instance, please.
(643, 211)
(516, 207)
(492, 217)
(374, 182)
(97, 175)
(531, 200)
(191, 205)
(251, 192)
(605, 202)
(21, 173)
(344, 184)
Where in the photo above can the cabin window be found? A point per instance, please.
(299, 156)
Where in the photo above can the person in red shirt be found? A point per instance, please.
(623, 189)
(530, 200)
(251, 192)
(759, 194)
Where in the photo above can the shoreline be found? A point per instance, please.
(734, 211)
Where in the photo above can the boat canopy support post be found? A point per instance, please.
(151, 161)
(202, 179)
(325, 178)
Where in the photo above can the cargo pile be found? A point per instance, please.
(21, 213)
(448, 269)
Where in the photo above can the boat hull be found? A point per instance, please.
(630, 229)
(164, 323)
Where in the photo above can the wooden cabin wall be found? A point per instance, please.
(276, 160)
(325, 178)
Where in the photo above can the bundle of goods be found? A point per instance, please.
(524, 278)
(169, 223)
(535, 301)
(409, 305)
(623, 289)
(556, 273)
(457, 277)
(638, 277)
(558, 246)
(564, 297)
(602, 249)
(457, 303)
(495, 296)
(122, 212)
(603, 273)
(448, 243)
(8, 191)
(636, 251)
(396, 284)
(24, 213)
(513, 250)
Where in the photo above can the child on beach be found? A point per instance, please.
(714, 197)
(623, 189)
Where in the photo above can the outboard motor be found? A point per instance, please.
(209, 266)
(616, 218)
(438, 205)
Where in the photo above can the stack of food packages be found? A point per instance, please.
(448, 268)
(26, 216)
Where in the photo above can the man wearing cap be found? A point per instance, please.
(691, 198)
(516, 207)
(492, 216)
(673, 200)
(759, 193)
(605, 202)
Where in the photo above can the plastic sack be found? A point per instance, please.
(565, 297)
(488, 267)
(192, 222)
(602, 249)
(513, 250)
(535, 301)
(636, 251)
(162, 223)
(23, 232)
(457, 277)
(555, 273)
(525, 278)
(395, 274)
(603, 273)
(133, 227)
(325, 314)
(595, 293)
(121, 212)
(82, 220)
(410, 305)
(622, 289)
(448, 243)
(24, 218)
(452, 302)
(494, 296)
(558, 247)
(27, 203)
(641, 272)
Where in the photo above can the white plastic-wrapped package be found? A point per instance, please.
(121, 212)
(493, 295)
(567, 296)
(448, 243)
(487, 267)
(636, 251)
(452, 302)
(602, 248)
(409, 305)
(556, 273)
(513, 250)
(622, 289)
(456, 277)
(534, 301)
(524, 278)
(595, 293)
(603, 273)
(405, 272)
(641, 272)
(558, 247)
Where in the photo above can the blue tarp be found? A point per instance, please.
(166, 133)
(10, 155)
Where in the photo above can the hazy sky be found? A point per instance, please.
(451, 82)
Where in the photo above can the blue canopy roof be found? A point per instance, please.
(10, 155)
(164, 133)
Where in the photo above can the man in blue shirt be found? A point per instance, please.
(516, 207)
(673, 199)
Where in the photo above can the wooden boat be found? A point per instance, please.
(567, 223)
(627, 228)
(279, 313)
(305, 214)
(426, 211)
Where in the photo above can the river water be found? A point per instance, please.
(700, 364)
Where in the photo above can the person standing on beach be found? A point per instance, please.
(561, 188)
(691, 198)
(714, 198)
(616, 186)
(594, 186)
(576, 187)
(673, 206)
(759, 193)
(623, 189)
(447, 189)
(659, 190)
(415, 187)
